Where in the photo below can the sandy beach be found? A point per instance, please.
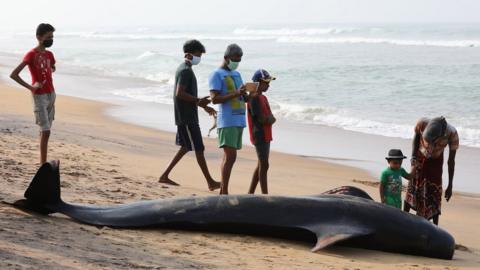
(104, 161)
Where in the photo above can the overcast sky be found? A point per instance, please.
(16, 14)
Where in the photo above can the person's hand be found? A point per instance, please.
(413, 162)
(413, 170)
(242, 90)
(271, 119)
(413, 173)
(203, 101)
(36, 86)
(211, 111)
(448, 193)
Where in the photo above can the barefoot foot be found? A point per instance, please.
(213, 185)
(168, 181)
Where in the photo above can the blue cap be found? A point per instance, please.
(262, 75)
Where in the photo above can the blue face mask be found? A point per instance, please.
(233, 65)
(195, 60)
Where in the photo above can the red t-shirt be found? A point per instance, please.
(40, 66)
(258, 107)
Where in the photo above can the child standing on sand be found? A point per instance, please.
(41, 64)
(260, 121)
(391, 179)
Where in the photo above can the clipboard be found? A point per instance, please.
(251, 87)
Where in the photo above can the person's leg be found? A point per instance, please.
(44, 136)
(253, 184)
(262, 175)
(406, 206)
(212, 184)
(194, 136)
(228, 140)
(264, 153)
(181, 140)
(43, 118)
(164, 178)
(435, 219)
(230, 155)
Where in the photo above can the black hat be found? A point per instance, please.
(395, 154)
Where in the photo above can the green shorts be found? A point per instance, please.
(230, 136)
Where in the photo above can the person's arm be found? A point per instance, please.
(217, 98)
(184, 79)
(415, 146)
(180, 93)
(271, 119)
(453, 144)
(216, 83)
(382, 196)
(406, 175)
(256, 110)
(54, 68)
(383, 181)
(267, 119)
(451, 172)
(15, 75)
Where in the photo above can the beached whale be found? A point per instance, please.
(326, 219)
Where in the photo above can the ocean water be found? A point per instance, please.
(374, 79)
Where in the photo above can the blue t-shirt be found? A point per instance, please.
(232, 112)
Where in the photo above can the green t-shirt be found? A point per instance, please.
(392, 183)
(186, 113)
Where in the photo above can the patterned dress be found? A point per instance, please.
(424, 193)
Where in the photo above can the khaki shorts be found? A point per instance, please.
(44, 109)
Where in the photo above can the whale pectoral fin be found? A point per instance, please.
(332, 238)
(328, 240)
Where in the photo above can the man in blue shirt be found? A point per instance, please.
(227, 89)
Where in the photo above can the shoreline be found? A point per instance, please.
(337, 146)
(108, 111)
(360, 150)
(101, 112)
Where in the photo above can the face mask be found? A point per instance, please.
(47, 43)
(195, 60)
(233, 65)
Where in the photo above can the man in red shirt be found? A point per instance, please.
(260, 121)
(41, 64)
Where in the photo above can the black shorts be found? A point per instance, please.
(190, 137)
(263, 150)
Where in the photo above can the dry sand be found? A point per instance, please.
(104, 161)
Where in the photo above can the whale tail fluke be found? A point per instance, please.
(43, 190)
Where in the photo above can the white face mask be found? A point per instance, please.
(195, 60)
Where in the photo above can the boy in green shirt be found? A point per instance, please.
(391, 179)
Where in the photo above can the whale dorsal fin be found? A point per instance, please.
(349, 190)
